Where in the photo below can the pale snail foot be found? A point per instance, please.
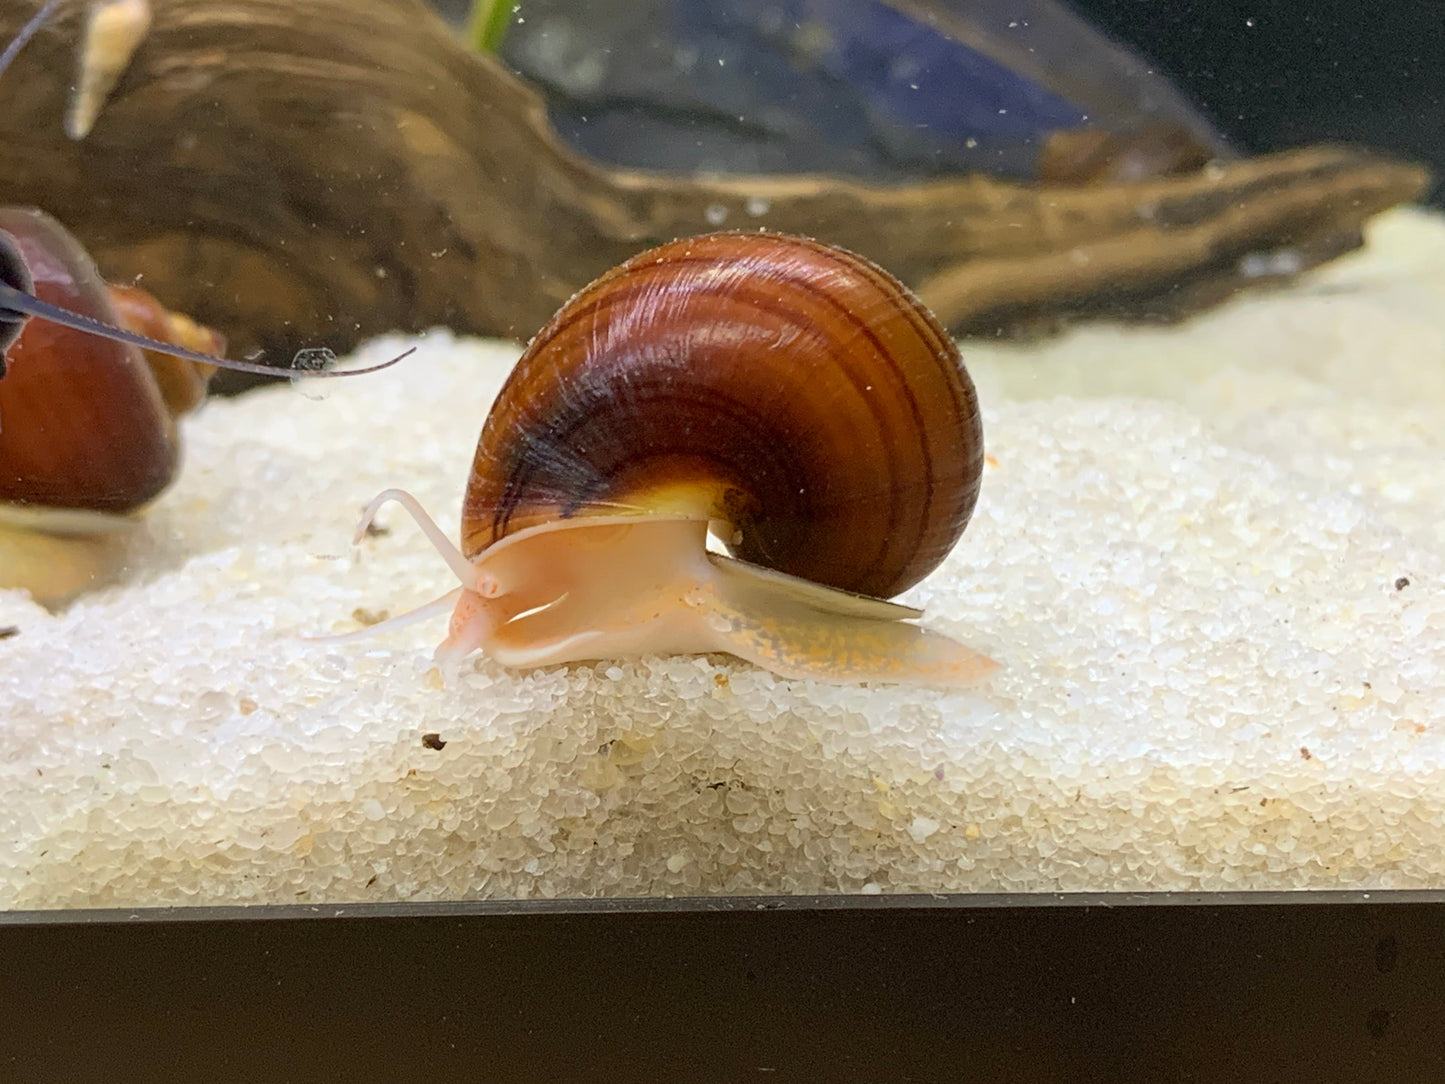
(829, 637)
(613, 587)
(61, 556)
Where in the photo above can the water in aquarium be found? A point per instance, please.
(697, 448)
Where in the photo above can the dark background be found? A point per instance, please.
(1306, 71)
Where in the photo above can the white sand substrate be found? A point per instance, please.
(1209, 558)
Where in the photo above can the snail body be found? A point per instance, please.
(792, 397)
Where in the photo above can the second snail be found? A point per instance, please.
(790, 397)
(93, 377)
(101, 372)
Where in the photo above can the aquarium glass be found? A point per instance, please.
(731, 599)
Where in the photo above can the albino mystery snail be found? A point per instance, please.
(794, 397)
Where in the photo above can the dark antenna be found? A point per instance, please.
(27, 32)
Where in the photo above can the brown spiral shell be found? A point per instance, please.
(792, 389)
(87, 423)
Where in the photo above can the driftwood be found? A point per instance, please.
(308, 172)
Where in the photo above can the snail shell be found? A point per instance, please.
(793, 396)
(182, 382)
(85, 424)
(787, 388)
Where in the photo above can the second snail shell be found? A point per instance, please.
(790, 396)
(88, 431)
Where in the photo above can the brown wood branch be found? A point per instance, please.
(306, 172)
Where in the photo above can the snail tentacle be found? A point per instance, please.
(435, 608)
(465, 572)
(28, 31)
(16, 305)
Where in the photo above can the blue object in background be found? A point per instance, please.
(875, 89)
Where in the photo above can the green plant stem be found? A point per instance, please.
(487, 25)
